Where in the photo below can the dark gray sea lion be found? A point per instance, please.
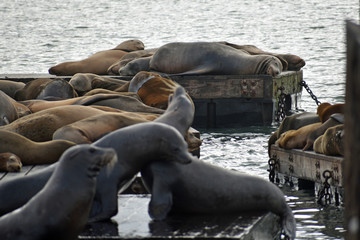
(61, 209)
(115, 67)
(289, 61)
(203, 188)
(9, 162)
(10, 87)
(187, 58)
(97, 63)
(135, 66)
(158, 141)
(42, 88)
(8, 111)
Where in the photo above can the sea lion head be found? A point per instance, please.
(13, 162)
(274, 66)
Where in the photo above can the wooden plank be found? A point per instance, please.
(24, 171)
(352, 132)
(308, 165)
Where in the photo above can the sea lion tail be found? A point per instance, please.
(289, 224)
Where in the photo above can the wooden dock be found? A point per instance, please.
(223, 101)
(308, 165)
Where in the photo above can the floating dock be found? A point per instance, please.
(223, 101)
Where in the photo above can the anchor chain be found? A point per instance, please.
(280, 112)
(272, 173)
(325, 190)
(304, 84)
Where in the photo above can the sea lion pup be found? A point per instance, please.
(296, 138)
(10, 87)
(31, 152)
(158, 141)
(153, 89)
(97, 63)
(200, 187)
(42, 88)
(325, 110)
(290, 61)
(40, 126)
(188, 58)
(9, 162)
(61, 209)
(115, 67)
(335, 119)
(90, 129)
(331, 142)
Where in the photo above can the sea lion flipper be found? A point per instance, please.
(160, 203)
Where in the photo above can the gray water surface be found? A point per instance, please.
(35, 35)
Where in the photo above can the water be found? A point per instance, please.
(36, 35)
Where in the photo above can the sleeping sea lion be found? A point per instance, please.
(9, 162)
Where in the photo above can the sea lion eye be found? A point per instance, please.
(92, 150)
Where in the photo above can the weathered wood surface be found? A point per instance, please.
(352, 132)
(308, 165)
(133, 222)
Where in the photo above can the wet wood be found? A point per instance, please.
(308, 165)
(352, 132)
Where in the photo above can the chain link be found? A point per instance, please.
(325, 190)
(272, 167)
(303, 83)
(280, 112)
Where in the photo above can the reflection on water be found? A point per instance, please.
(38, 34)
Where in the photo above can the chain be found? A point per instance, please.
(272, 167)
(325, 191)
(303, 83)
(280, 112)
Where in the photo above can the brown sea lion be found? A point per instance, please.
(335, 119)
(90, 129)
(61, 209)
(289, 61)
(296, 138)
(97, 63)
(41, 125)
(42, 88)
(325, 110)
(152, 89)
(9, 162)
(115, 67)
(10, 87)
(331, 142)
(186, 58)
(31, 152)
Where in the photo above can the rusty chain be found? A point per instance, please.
(280, 112)
(325, 190)
(272, 167)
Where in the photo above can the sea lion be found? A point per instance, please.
(40, 126)
(31, 152)
(289, 61)
(10, 87)
(152, 89)
(8, 111)
(296, 138)
(159, 141)
(61, 209)
(335, 119)
(325, 110)
(200, 187)
(115, 67)
(97, 63)
(42, 88)
(90, 129)
(186, 58)
(9, 162)
(134, 66)
(331, 142)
